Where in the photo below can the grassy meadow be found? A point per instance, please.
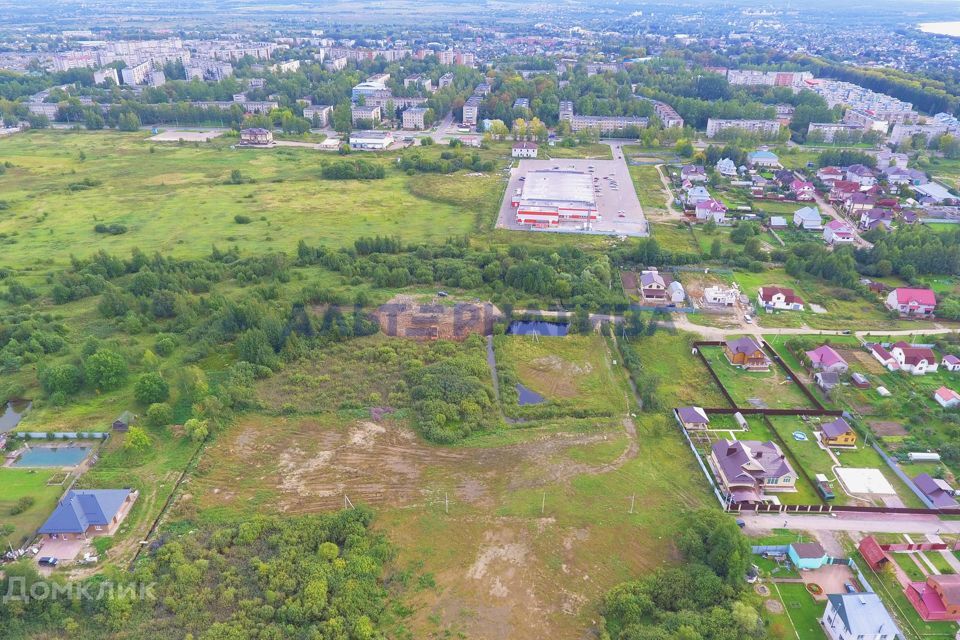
(176, 198)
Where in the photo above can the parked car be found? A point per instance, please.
(47, 561)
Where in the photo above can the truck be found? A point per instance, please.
(824, 488)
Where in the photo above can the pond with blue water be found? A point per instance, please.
(526, 396)
(53, 456)
(538, 327)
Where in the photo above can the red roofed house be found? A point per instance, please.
(711, 209)
(841, 189)
(829, 175)
(936, 599)
(946, 397)
(871, 551)
(779, 298)
(884, 357)
(825, 358)
(912, 303)
(802, 189)
(916, 360)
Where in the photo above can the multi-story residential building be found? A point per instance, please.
(208, 69)
(829, 130)
(413, 118)
(419, 80)
(336, 64)
(566, 110)
(879, 105)
(445, 81)
(768, 78)
(101, 76)
(521, 103)
(318, 114)
(765, 128)
(136, 74)
(471, 111)
(456, 57)
(867, 120)
(365, 113)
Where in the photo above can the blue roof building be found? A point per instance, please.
(858, 616)
(763, 158)
(87, 511)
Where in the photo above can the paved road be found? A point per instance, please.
(831, 211)
(853, 522)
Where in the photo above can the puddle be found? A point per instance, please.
(539, 327)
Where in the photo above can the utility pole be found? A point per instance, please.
(543, 502)
(632, 500)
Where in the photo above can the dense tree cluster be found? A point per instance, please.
(353, 170)
(699, 600)
(265, 577)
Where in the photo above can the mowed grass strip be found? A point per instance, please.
(16, 484)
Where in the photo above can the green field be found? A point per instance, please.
(26, 483)
(683, 380)
(174, 198)
(572, 373)
(649, 189)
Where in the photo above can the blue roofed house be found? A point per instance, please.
(807, 555)
(85, 513)
(858, 616)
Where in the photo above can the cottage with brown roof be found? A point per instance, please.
(779, 298)
(747, 353)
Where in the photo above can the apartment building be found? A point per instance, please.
(765, 128)
(471, 111)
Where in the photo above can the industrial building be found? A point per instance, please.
(371, 140)
(553, 197)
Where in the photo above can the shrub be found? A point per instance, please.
(22, 505)
(137, 440)
(151, 389)
(160, 414)
(242, 219)
(164, 346)
(112, 229)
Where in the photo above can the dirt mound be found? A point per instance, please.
(408, 317)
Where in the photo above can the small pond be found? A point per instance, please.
(539, 327)
(55, 456)
(526, 396)
(12, 414)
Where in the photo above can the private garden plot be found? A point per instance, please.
(771, 389)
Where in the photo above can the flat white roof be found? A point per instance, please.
(557, 188)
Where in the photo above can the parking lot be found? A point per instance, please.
(617, 202)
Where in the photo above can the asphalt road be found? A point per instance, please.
(855, 522)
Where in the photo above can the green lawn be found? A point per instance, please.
(803, 610)
(673, 236)
(862, 313)
(26, 483)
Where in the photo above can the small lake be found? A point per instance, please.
(61, 456)
(539, 327)
(526, 396)
(13, 413)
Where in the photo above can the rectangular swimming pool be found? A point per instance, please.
(56, 456)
